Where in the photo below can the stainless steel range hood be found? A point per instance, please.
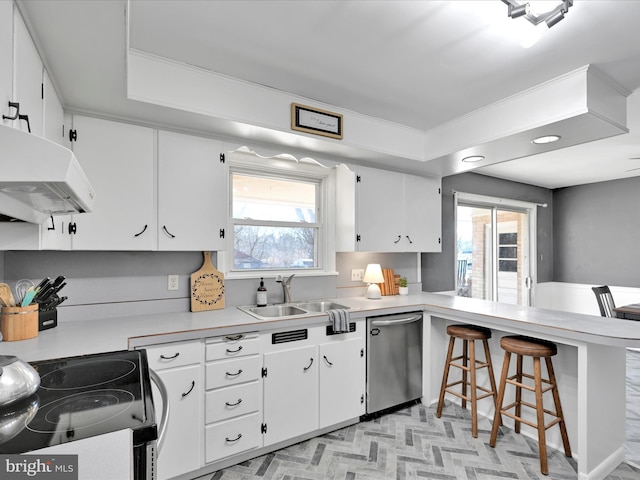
(39, 178)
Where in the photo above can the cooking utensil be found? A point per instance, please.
(28, 297)
(6, 296)
(16, 417)
(22, 287)
(18, 379)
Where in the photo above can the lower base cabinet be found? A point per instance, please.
(232, 436)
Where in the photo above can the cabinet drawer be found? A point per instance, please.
(231, 346)
(176, 354)
(231, 372)
(232, 402)
(233, 436)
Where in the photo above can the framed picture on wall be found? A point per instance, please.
(316, 121)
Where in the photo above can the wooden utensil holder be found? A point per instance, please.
(19, 323)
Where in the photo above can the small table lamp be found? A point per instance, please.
(373, 276)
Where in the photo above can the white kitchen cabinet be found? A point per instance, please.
(6, 59)
(118, 159)
(394, 212)
(179, 366)
(28, 68)
(342, 379)
(52, 113)
(233, 400)
(290, 392)
(192, 199)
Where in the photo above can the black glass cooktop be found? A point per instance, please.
(80, 397)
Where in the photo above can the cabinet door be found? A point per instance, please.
(184, 432)
(118, 159)
(192, 186)
(423, 227)
(342, 381)
(6, 59)
(53, 114)
(290, 393)
(28, 77)
(380, 214)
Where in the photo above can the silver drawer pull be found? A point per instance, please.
(164, 357)
(233, 404)
(234, 374)
(193, 384)
(234, 439)
(235, 351)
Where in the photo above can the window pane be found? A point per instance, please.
(261, 247)
(273, 199)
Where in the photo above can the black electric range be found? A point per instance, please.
(85, 396)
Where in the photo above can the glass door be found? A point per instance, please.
(493, 253)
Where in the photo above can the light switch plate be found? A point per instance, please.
(357, 274)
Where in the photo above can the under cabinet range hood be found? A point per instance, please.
(39, 178)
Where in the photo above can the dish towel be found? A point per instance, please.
(339, 317)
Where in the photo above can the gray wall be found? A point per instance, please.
(597, 233)
(438, 269)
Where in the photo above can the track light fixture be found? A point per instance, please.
(550, 18)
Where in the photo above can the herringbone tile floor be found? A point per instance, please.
(413, 444)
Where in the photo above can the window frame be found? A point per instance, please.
(286, 167)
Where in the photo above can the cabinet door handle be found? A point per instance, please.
(15, 105)
(234, 338)
(234, 374)
(327, 360)
(193, 385)
(175, 355)
(408, 238)
(234, 439)
(399, 238)
(141, 232)
(168, 232)
(236, 350)
(310, 363)
(25, 117)
(233, 404)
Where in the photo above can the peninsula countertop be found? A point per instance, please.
(93, 336)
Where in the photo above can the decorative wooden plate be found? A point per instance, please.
(207, 287)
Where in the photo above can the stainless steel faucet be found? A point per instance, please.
(286, 287)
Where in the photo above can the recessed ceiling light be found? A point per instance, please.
(546, 139)
(473, 158)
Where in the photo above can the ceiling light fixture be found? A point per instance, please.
(473, 158)
(545, 139)
(550, 18)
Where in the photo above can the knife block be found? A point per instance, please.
(47, 319)
(19, 323)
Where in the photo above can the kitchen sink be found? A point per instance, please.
(287, 310)
(320, 306)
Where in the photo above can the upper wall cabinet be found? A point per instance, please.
(6, 58)
(394, 212)
(118, 159)
(192, 193)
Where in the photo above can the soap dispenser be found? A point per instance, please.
(262, 294)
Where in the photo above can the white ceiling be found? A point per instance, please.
(416, 63)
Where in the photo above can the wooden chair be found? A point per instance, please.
(536, 349)
(605, 301)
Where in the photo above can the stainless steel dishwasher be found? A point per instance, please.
(394, 360)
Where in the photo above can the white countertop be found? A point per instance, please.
(86, 337)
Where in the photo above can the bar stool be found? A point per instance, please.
(530, 347)
(470, 365)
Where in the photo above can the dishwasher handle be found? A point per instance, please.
(397, 321)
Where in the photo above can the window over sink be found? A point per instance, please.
(281, 215)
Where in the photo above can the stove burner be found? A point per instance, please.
(81, 410)
(90, 373)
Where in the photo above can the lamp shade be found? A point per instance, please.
(373, 274)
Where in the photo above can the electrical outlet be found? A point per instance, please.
(173, 282)
(357, 274)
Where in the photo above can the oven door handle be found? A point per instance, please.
(164, 395)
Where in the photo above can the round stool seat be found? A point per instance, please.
(530, 347)
(468, 332)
